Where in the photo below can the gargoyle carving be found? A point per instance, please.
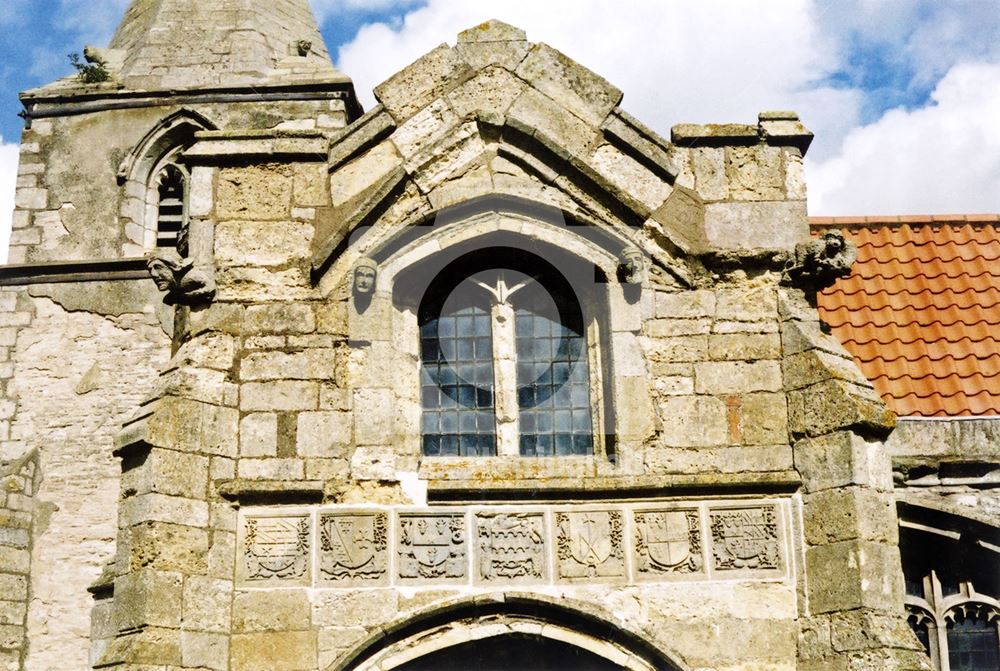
(184, 283)
(821, 261)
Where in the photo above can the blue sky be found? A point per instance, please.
(903, 95)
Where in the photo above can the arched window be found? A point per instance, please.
(505, 360)
(956, 624)
(171, 213)
(155, 185)
(973, 644)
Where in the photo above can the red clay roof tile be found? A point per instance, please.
(920, 312)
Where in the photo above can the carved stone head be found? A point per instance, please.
(365, 274)
(164, 268)
(183, 283)
(632, 266)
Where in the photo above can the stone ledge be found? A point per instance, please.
(92, 270)
(214, 147)
(610, 487)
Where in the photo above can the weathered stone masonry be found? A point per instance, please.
(275, 508)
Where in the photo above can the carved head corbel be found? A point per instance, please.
(184, 283)
(632, 266)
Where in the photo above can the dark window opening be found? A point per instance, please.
(170, 209)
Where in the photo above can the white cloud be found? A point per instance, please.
(942, 158)
(8, 180)
(676, 61)
(93, 22)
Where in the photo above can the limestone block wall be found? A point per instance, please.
(82, 356)
(18, 481)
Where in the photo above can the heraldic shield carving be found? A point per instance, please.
(353, 548)
(511, 546)
(589, 544)
(432, 546)
(745, 538)
(276, 547)
(667, 541)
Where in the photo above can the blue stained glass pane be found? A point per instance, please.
(447, 376)
(467, 396)
(431, 423)
(432, 445)
(467, 423)
(563, 420)
(484, 398)
(465, 325)
(483, 348)
(449, 445)
(553, 379)
(458, 396)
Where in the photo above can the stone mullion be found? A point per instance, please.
(505, 379)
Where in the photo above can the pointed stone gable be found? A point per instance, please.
(498, 116)
(192, 44)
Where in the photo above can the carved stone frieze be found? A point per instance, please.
(432, 546)
(494, 545)
(354, 548)
(510, 547)
(667, 541)
(276, 548)
(589, 544)
(745, 538)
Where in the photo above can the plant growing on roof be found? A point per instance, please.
(93, 71)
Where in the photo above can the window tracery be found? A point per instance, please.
(957, 626)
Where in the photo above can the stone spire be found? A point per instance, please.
(181, 44)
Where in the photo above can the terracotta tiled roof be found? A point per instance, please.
(920, 312)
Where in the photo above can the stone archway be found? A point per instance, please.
(510, 631)
(525, 652)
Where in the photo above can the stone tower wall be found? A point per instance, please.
(86, 333)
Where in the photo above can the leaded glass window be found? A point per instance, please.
(505, 362)
(972, 641)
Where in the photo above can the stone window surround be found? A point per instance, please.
(142, 169)
(937, 611)
(614, 340)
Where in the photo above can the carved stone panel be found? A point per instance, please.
(353, 548)
(589, 544)
(745, 538)
(276, 548)
(666, 542)
(510, 547)
(432, 547)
